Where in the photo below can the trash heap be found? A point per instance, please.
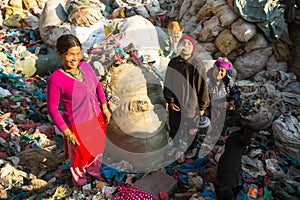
(32, 162)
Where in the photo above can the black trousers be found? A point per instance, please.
(180, 128)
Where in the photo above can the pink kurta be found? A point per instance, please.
(82, 114)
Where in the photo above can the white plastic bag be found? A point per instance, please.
(226, 15)
(250, 63)
(286, 131)
(257, 42)
(243, 30)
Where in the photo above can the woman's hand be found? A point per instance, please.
(71, 138)
(107, 115)
(174, 107)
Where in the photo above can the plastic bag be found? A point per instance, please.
(50, 18)
(210, 30)
(243, 30)
(16, 3)
(13, 16)
(226, 42)
(128, 192)
(225, 14)
(205, 11)
(84, 16)
(137, 132)
(250, 63)
(30, 4)
(257, 42)
(286, 131)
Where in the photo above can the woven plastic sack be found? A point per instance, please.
(137, 132)
(13, 16)
(206, 10)
(286, 131)
(251, 63)
(226, 42)
(262, 120)
(84, 16)
(50, 34)
(143, 35)
(30, 4)
(153, 7)
(257, 42)
(211, 30)
(16, 3)
(243, 30)
(226, 15)
(281, 48)
(195, 7)
(50, 18)
(89, 35)
(71, 5)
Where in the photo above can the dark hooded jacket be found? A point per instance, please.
(186, 86)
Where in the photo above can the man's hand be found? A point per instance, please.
(201, 112)
(174, 107)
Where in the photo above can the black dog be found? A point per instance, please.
(229, 165)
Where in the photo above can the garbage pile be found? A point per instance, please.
(125, 35)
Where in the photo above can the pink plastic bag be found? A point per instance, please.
(131, 193)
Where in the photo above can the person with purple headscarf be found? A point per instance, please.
(224, 93)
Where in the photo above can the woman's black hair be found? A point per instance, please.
(67, 41)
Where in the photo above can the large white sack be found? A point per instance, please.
(53, 13)
(250, 63)
(139, 31)
(143, 35)
(286, 131)
(243, 30)
(211, 30)
(185, 7)
(52, 22)
(206, 10)
(88, 36)
(196, 6)
(137, 132)
(50, 34)
(276, 66)
(257, 42)
(225, 14)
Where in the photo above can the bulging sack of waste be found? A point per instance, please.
(286, 131)
(137, 131)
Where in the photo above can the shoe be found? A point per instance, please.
(195, 181)
(179, 156)
(191, 153)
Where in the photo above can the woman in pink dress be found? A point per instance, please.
(76, 88)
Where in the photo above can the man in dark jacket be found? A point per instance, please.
(185, 91)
